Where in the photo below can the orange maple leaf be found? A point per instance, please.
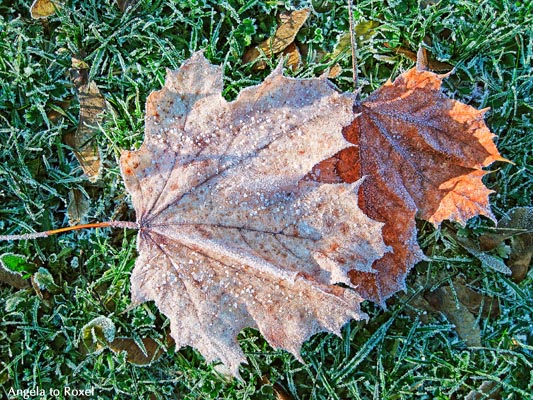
(422, 154)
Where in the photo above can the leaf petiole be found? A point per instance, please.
(36, 235)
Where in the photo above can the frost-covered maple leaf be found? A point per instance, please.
(230, 236)
(422, 154)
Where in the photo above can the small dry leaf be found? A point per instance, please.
(518, 226)
(294, 59)
(334, 71)
(522, 243)
(230, 236)
(44, 8)
(423, 57)
(283, 38)
(487, 260)
(99, 334)
(462, 305)
(135, 354)
(520, 257)
(422, 154)
(475, 302)
(124, 4)
(78, 206)
(363, 31)
(92, 105)
(443, 299)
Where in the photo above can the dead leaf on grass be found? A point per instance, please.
(124, 4)
(487, 260)
(143, 353)
(520, 257)
(92, 105)
(363, 30)
(475, 302)
(44, 8)
(79, 72)
(78, 206)
(459, 302)
(279, 391)
(283, 38)
(230, 236)
(466, 325)
(423, 57)
(334, 71)
(294, 58)
(517, 225)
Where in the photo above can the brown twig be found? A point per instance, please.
(353, 44)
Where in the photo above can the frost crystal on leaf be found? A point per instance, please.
(231, 235)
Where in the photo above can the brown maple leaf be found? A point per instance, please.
(230, 236)
(422, 154)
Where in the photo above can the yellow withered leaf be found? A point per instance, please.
(284, 36)
(44, 8)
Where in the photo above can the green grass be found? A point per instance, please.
(399, 354)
